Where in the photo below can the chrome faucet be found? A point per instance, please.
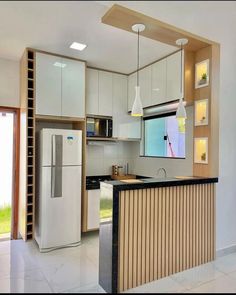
(162, 169)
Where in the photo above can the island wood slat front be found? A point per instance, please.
(163, 231)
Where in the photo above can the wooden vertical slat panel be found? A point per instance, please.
(135, 241)
(188, 197)
(160, 213)
(126, 242)
(174, 193)
(144, 214)
(130, 237)
(163, 239)
(184, 227)
(171, 191)
(156, 241)
(178, 230)
(191, 226)
(206, 221)
(152, 214)
(163, 231)
(147, 239)
(121, 242)
(167, 221)
(214, 221)
(199, 253)
(139, 254)
(194, 207)
(209, 223)
(202, 223)
(181, 229)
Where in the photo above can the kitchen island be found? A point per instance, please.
(152, 228)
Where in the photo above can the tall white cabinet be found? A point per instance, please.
(48, 85)
(73, 88)
(105, 93)
(173, 77)
(60, 86)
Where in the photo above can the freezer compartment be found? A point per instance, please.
(56, 143)
(59, 217)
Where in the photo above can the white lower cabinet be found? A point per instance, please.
(93, 209)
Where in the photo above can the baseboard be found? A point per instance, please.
(225, 251)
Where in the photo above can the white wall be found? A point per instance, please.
(9, 83)
(215, 20)
(101, 157)
(149, 166)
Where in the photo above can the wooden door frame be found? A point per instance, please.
(15, 172)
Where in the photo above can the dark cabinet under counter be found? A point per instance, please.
(154, 228)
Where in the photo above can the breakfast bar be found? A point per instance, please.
(152, 228)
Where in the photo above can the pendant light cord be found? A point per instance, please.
(181, 71)
(138, 62)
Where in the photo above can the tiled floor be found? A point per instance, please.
(74, 270)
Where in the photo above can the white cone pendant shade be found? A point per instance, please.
(181, 111)
(137, 109)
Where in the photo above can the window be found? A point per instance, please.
(164, 136)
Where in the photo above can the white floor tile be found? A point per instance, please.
(196, 276)
(25, 282)
(223, 284)
(164, 285)
(73, 273)
(226, 263)
(91, 288)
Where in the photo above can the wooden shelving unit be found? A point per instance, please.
(30, 197)
(27, 146)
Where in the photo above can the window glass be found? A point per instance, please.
(164, 137)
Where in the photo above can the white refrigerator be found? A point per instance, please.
(58, 199)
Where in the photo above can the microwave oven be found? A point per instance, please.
(99, 126)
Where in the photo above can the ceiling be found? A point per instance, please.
(54, 25)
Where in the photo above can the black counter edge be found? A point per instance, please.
(124, 187)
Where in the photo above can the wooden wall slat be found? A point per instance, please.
(135, 237)
(163, 231)
(152, 214)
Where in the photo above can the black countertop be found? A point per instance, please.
(160, 182)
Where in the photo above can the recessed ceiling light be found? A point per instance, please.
(78, 46)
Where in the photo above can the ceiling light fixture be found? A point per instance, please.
(181, 111)
(137, 109)
(78, 46)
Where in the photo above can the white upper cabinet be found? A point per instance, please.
(158, 94)
(145, 80)
(119, 97)
(73, 88)
(173, 75)
(105, 93)
(60, 86)
(48, 84)
(132, 82)
(92, 92)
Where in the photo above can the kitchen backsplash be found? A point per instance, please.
(101, 156)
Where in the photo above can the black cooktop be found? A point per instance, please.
(93, 182)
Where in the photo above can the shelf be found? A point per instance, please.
(202, 74)
(201, 112)
(58, 119)
(201, 150)
(113, 139)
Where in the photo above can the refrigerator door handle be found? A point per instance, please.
(56, 166)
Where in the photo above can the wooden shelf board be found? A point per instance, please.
(58, 119)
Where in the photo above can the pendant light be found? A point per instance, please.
(137, 109)
(181, 112)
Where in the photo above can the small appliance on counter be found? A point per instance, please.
(99, 126)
